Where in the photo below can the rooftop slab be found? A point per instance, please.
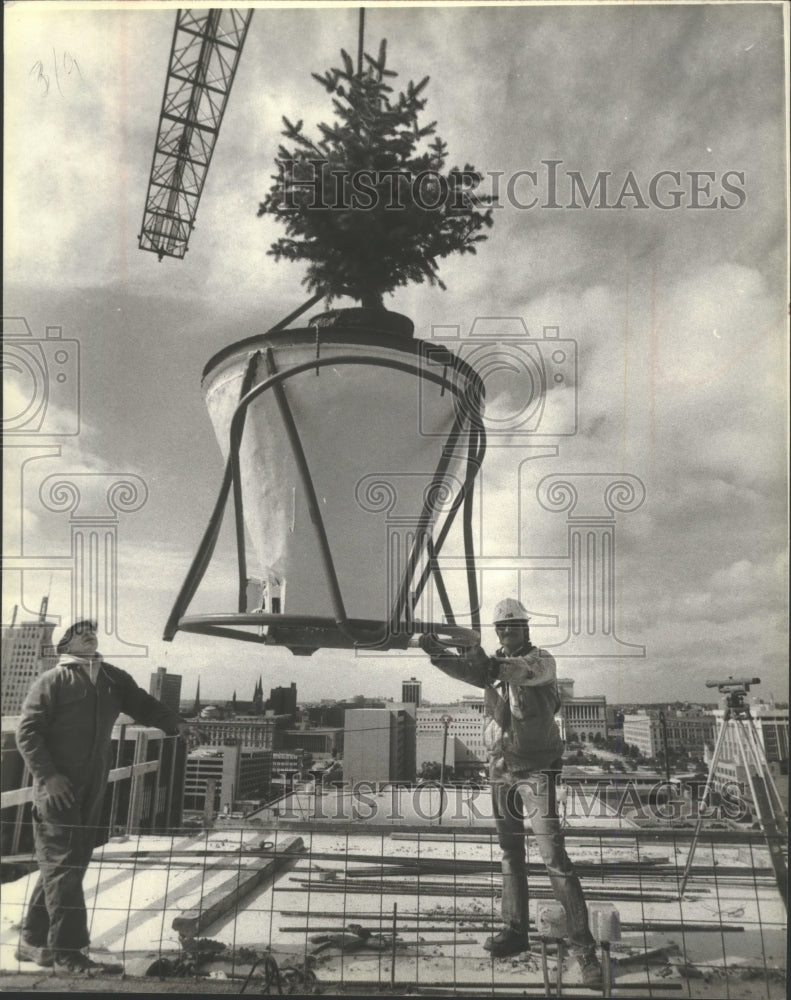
(439, 890)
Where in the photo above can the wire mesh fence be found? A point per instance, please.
(341, 908)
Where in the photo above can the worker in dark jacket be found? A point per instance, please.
(64, 736)
(525, 748)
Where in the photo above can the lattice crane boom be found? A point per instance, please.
(204, 56)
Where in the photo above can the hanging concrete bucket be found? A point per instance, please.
(350, 450)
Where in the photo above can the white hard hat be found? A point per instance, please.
(510, 610)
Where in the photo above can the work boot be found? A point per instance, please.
(590, 967)
(27, 952)
(507, 942)
(74, 963)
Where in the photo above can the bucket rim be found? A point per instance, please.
(308, 336)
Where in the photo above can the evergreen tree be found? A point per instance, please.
(364, 205)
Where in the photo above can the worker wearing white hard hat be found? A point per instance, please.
(525, 752)
(509, 609)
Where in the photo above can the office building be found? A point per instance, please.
(321, 741)
(283, 700)
(410, 691)
(288, 766)
(27, 651)
(379, 744)
(255, 733)
(166, 688)
(430, 748)
(464, 747)
(687, 731)
(235, 775)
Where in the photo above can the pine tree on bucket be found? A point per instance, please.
(367, 204)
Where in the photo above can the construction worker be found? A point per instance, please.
(525, 750)
(65, 736)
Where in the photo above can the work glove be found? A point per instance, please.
(431, 645)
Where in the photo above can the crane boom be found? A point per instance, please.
(204, 57)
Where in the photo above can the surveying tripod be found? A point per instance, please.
(766, 800)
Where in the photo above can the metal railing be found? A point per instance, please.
(19, 796)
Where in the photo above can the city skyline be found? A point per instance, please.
(211, 695)
(677, 316)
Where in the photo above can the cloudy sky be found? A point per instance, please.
(676, 305)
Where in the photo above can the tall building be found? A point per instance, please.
(288, 766)
(411, 691)
(283, 700)
(166, 688)
(407, 715)
(687, 731)
(238, 775)
(331, 713)
(464, 747)
(27, 652)
(379, 744)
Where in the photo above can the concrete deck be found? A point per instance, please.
(136, 887)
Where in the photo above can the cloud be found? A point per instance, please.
(678, 316)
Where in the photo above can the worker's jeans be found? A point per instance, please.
(64, 839)
(525, 802)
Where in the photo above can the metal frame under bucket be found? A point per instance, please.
(303, 634)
